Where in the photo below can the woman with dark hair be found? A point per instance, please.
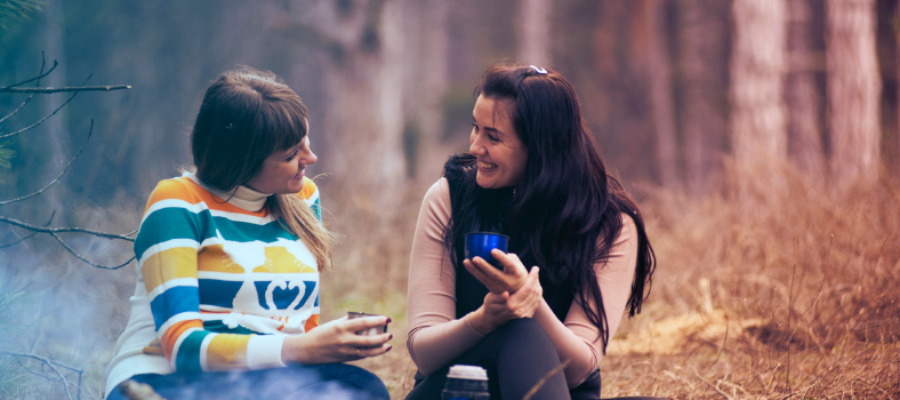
(228, 259)
(534, 174)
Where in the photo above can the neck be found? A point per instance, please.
(243, 197)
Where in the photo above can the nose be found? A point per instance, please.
(475, 146)
(308, 158)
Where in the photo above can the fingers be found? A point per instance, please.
(510, 279)
(372, 352)
(507, 260)
(364, 323)
(370, 346)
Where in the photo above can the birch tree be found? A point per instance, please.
(805, 146)
(854, 89)
(533, 18)
(758, 120)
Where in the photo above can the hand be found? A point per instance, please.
(510, 279)
(337, 341)
(503, 307)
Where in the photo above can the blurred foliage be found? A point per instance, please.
(6, 156)
(13, 299)
(14, 12)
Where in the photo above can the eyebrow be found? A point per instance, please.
(487, 128)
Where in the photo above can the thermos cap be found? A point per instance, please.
(472, 372)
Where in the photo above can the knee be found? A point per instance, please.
(522, 330)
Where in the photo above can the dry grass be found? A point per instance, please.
(760, 293)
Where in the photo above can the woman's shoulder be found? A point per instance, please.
(180, 188)
(438, 193)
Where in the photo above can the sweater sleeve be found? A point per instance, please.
(435, 335)
(175, 227)
(577, 339)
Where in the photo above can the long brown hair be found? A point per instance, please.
(247, 115)
(565, 214)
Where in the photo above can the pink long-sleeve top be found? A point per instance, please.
(436, 337)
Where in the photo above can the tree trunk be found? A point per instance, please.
(854, 88)
(704, 36)
(360, 142)
(805, 147)
(426, 80)
(534, 32)
(658, 73)
(758, 125)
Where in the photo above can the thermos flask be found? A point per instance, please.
(466, 382)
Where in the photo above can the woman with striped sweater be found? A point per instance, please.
(229, 256)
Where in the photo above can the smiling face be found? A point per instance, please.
(501, 154)
(282, 172)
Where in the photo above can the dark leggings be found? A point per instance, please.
(293, 382)
(515, 356)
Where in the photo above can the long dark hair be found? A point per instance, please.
(565, 214)
(246, 115)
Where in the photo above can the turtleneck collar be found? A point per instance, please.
(244, 197)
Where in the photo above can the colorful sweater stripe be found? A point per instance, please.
(223, 285)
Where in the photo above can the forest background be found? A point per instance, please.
(759, 136)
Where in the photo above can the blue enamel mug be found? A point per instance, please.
(481, 243)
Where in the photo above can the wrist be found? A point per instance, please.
(478, 321)
(293, 351)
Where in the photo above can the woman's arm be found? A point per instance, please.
(577, 339)
(435, 335)
(176, 227)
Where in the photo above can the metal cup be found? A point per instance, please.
(481, 243)
(375, 330)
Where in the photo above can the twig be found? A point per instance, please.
(40, 75)
(7, 89)
(56, 180)
(53, 214)
(66, 246)
(33, 228)
(52, 364)
(45, 118)
(17, 241)
(787, 375)
(714, 387)
(540, 383)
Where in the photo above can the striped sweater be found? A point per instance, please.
(220, 283)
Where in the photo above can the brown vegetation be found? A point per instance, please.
(758, 294)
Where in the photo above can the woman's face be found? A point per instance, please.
(282, 172)
(501, 155)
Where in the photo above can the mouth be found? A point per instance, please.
(486, 165)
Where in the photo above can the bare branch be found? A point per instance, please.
(713, 387)
(17, 241)
(47, 117)
(27, 100)
(55, 181)
(7, 89)
(52, 364)
(80, 257)
(42, 74)
(33, 228)
(53, 214)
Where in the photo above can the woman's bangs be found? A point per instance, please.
(287, 127)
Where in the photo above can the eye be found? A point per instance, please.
(292, 156)
(493, 138)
